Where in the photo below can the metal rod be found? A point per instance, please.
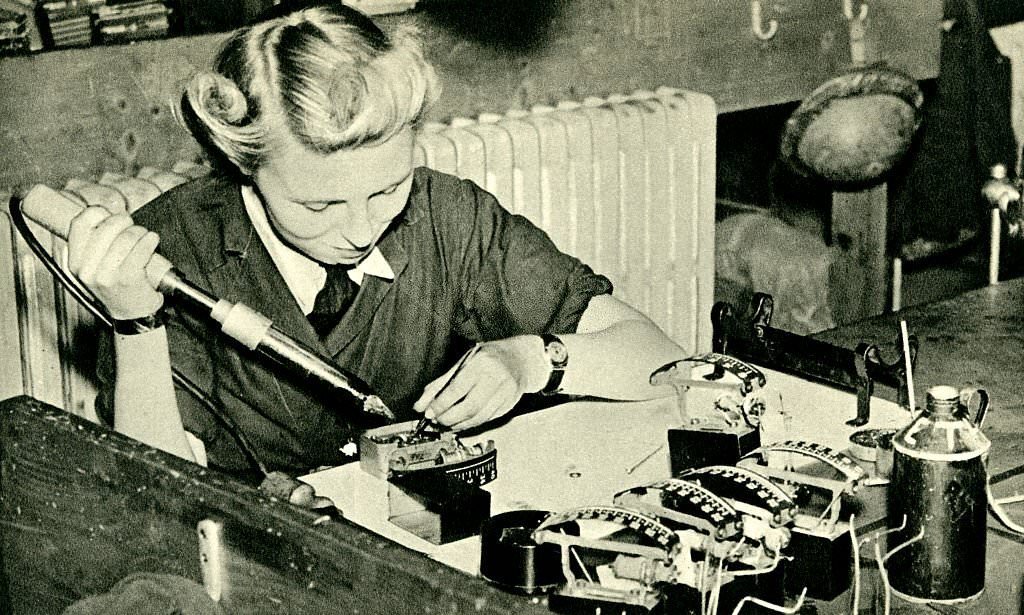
(282, 349)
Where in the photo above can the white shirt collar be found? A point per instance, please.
(304, 276)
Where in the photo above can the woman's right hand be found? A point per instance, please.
(108, 253)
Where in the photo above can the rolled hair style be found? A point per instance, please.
(326, 74)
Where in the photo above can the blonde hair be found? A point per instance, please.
(327, 74)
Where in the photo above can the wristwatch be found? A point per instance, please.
(145, 324)
(558, 355)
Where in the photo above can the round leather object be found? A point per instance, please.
(854, 128)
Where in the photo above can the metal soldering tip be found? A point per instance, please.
(374, 405)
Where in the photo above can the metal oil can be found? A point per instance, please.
(937, 496)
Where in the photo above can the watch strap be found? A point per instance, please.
(135, 326)
(558, 356)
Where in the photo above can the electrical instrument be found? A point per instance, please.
(617, 562)
(398, 449)
(673, 545)
(722, 434)
(434, 479)
(724, 554)
(818, 479)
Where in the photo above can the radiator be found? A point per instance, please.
(624, 183)
(38, 325)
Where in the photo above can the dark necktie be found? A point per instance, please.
(333, 299)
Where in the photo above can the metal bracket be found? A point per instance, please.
(754, 340)
(848, 11)
(212, 558)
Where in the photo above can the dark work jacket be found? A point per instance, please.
(466, 270)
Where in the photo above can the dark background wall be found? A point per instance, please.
(79, 112)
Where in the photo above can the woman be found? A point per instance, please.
(311, 115)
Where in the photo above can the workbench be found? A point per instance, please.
(81, 506)
(971, 340)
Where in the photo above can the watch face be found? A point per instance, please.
(557, 353)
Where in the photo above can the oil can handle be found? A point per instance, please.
(966, 395)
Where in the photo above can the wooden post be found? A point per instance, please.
(859, 229)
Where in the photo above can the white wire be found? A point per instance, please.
(1000, 512)
(716, 589)
(700, 585)
(855, 608)
(882, 572)
(721, 566)
(773, 607)
(908, 365)
(828, 509)
(1011, 499)
(578, 560)
(583, 566)
(877, 536)
(884, 575)
(774, 565)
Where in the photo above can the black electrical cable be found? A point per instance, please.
(89, 302)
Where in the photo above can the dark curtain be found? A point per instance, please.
(936, 202)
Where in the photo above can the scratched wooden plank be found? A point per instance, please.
(87, 506)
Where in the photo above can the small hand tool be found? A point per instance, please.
(423, 422)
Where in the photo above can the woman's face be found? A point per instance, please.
(334, 208)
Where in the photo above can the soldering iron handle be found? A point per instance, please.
(54, 211)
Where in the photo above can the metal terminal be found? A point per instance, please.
(757, 24)
(1004, 194)
(740, 402)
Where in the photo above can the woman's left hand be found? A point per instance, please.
(486, 383)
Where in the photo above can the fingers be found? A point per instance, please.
(454, 391)
(107, 265)
(432, 389)
(481, 390)
(482, 405)
(109, 254)
(129, 254)
(79, 234)
(103, 247)
(101, 239)
(430, 392)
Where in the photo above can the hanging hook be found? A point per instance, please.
(848, 10)
(858, 31)
(756, 24)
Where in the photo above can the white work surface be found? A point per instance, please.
(581, 453)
